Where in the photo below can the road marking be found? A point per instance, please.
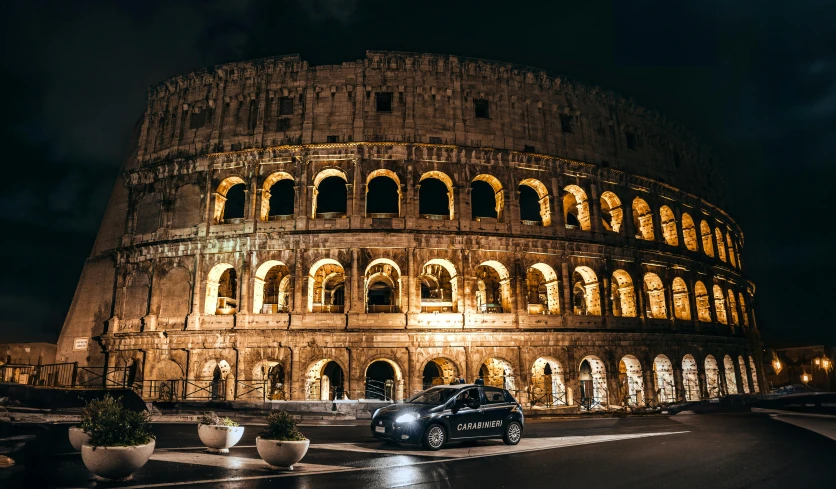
(227, 462)
(556, 442)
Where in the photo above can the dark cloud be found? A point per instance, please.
(756, 80)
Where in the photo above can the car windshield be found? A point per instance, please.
(435, 396)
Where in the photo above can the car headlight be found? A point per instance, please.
(406, 418)
(375, 412)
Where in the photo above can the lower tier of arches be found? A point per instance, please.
(542, 369)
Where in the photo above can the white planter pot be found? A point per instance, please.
(77, 437)
(281, 454)
(116, 462)
(218, 439)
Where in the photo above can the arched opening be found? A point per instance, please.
(703, 304)
(630, 376)
(681, 305)
(439, 371)
(612, 214)
(743, 379)
(707, 242)
(497, 372)
(268, 382)
(690, 378)
(576, 208)
(668, 226)
(731, 380)
(439, 289)
(622, 295)
(586, 295)
(382, 380)
(721, 248)
(754, 370)
(324, 381)
(712, 377)
(271, 292)
(211, 383)
(493, 288)
(221, 290)
(720, 305)
(486, 197)
(277, 197)
(655, 293)
(137, 292)
(732, 258)
(383, 195)
(330, 194)
(689, 232)
(326, 287)
(593, 383)
(534, 202)
(732, 308)
(642, 220)
(543, 290)
(229, 201)
(743, 312)
(663, 375)
(547, 387)
(383, 286)
(435, 196)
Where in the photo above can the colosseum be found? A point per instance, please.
(282, 231)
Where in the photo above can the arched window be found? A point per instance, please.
(277, 197)
(707, 244)
(383, 286)
(681, 306)
(612, 213)
(383, 194)
(487, 198)
(534, 202)
(655, 290)
(543, 290)
(586, 295)
(493, 288)
(732, 258)
(720, 305)
(221, 290)
(642, 219)
(731, 379)
(689, 232)
(663, 373)
(592, 375)
(330, 195)
(721, 248)
(547, 387)
(690, 379)
(630, 369)
(271, 291)
(576, 208)
(702, 300)
(732, 306)
(743, 377)
(326, 287)
(712, 377)
(623, 295)
(439, 286)
(743, 312)
(229, 200)
(435, 196)
(668, 226)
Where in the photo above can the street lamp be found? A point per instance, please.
(777, 364)
(805, 377)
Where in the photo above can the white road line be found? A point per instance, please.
(227, 462)
(504, 450)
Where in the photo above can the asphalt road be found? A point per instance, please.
(699, 451)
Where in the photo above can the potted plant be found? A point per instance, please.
(281, 444)
(121, 440)
(218, 434)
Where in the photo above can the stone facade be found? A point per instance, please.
(603, 268)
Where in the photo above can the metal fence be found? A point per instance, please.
(69, 375)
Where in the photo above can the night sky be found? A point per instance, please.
(755, 80)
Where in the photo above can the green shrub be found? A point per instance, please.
(213, 419)
(281, 426)
(110, 424)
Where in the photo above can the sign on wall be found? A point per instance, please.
(80, 344)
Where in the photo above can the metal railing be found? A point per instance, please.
(489, 308)
(378, 389)
(328, 308)
(235, 220)
(280, 217)
(550, 399)
(16, 374)
(184, 389)
(372, 308)
(330, 215)
(527, 222)
(667, 392)
(68, 375)
(436, 217)
(252, 389)
(382, 215)
(692, 389)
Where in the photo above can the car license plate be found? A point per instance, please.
(380, 429)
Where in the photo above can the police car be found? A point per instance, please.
(451, 412)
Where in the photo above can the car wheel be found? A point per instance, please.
(513, 433)
(434, 437)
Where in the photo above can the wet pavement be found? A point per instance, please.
(718, 450)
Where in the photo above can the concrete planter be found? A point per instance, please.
(116, 462)
(77, 437)
(279, 454)
(219, 439)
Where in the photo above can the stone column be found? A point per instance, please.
(649, 386)
(413, 291)
(194, 315)
(357, 298)
(595, 209)
(568, 307)
(738, 375)
(702, 382)
(521, 306)
(680, 237)
(629, 226)
(558, 220)
(413, 383)
(245, 284)
(349, 383)
(680, 386)
(296, 376)
(464, 212)
(299, 282)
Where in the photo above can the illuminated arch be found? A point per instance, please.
(324, 380)
(612, 213)
(281, 288)
(743, 377)
(493, 289)
(318, 179)
(547, 386)
(382, 271)
(754, 369)
(576, 204)
(712, 377)
(378, 387)
(593, 392)
(439, 286)
(443, 178)
(383, 173)
(325, 282)
(703, 302)
(732, 307)
(655, 290)
(498, 372)
(690, 378)
(269, 182)
(721, 248)
(707, 241)
(743, 313)
(731, 378)
(586, 292)
(438, 371)
(543, 198)
(499, 196)
(720, 305)
(220, 196)
(732, 258)
(631, 369)
(689, 232)
(214, 303)
(681, 304)
(663, 373)
(643, 220)
(545, 292)
(623, 294)
(668, 225)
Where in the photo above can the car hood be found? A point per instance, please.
(395, 410)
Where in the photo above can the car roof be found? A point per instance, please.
(462, 386)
